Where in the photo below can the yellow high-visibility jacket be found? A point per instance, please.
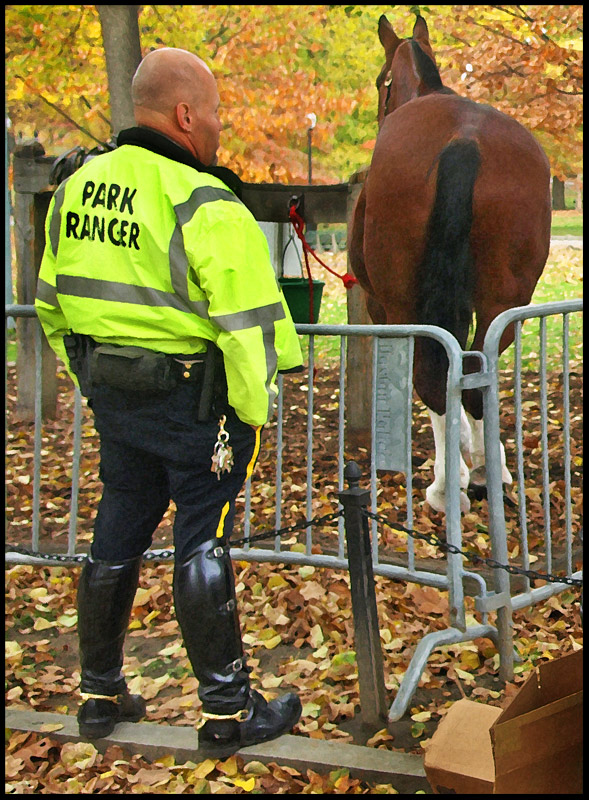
(144, 250)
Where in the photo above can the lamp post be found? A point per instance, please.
(313, 121)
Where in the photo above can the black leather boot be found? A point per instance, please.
(105, 599)
(235, 715)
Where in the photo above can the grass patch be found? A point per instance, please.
(562, 279)
(10, 344)
(567, 223)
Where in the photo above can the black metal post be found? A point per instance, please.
(373, 702)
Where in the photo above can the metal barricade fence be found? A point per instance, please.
(460, 626)
(507, 598)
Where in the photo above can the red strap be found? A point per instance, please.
(298, 224)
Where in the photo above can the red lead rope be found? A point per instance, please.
(298, 224)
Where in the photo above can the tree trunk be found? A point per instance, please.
(579, 193)
(558, 203)
(122, 49)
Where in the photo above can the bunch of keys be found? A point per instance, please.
(222, 458)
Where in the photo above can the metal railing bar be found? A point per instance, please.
(566, 430)
(37, 437)
(517, 381)
(409, 459)
(278, 472)
(341, 439)
(310, 411)
(76, 455)
(373, 482)
(544, 439)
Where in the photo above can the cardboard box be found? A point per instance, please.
(531, 746)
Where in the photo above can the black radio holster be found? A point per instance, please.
(208, 383)
(78, 348)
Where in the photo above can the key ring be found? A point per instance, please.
(223, 435)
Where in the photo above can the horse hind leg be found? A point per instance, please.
(473, 403)
(436, 493)
(478, 473)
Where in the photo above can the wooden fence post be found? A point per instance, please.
(31, 174)
(359, 354)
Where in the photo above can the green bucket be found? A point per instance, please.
(296, 293)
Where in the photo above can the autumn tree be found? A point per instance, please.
(276, 64)
(122, 50)
(527, 62)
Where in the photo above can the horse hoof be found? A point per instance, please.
(438, 501)
(478, 491)
(435, 499)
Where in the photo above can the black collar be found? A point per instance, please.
(164, 146)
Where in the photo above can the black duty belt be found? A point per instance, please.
(136, 369)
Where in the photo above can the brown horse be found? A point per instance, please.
(453, 219)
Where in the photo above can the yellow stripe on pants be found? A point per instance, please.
(248, 474)
(250, 466)
(222, 521)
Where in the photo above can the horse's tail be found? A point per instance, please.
(445, 279)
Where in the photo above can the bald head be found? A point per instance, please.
(167, 76)
(175, 92)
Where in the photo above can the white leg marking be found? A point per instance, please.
(436, 493)
(505, 473)
(478, 442)
(465, 437)
(478, 450)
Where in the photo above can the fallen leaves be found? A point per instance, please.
(78, 768)
(297, 620)
(430, 601)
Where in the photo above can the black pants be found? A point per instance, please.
(153, 450)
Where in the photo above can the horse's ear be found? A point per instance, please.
(388, 38)
(420, 31)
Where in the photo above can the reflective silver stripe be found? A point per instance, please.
(55, 223)
(263, 316)
(201, 195)
(47, 293)
(116, 292)
(184, 213)
(178, 262)
(269, 334)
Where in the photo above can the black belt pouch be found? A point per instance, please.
(131, 369)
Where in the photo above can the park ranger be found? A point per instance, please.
(157, 291)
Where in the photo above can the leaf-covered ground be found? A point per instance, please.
(296, 621)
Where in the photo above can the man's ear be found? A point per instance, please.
(183, 116)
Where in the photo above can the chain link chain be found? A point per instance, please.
(165, 554)
(430, 538)
(298, 526)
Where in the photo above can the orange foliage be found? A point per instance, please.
(275, 64)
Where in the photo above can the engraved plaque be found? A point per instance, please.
(393, 409)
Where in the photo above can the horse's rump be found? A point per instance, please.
(455, 222)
